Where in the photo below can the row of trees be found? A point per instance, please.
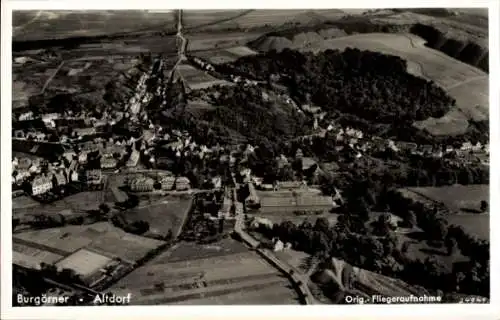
(44, 221)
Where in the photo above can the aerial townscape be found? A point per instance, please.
(249, 157)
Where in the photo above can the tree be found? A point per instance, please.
(484, 205)
(169, 235)
(322, 225)
(405, 247)
(411, 219)
(383, 225)
(438, 229)
(358, 206)
(321, 243)
(451, 246)
(104, 208)
(342, 225)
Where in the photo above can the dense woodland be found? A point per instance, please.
(370, 85)
(368, 90)
(371, 244)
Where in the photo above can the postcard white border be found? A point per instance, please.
(213, 312)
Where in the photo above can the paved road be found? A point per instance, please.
(299, 279)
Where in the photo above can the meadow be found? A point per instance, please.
(166, 214)
(221, 273)
(464, 203)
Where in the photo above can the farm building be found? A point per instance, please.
(298, 202)
(281, 185)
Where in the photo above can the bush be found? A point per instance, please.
(435, 243)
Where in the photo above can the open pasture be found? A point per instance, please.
(457, 198)
(452, 75)
(163, 215)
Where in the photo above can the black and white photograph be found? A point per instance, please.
(249, 157)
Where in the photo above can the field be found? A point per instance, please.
(38, 25)
(84, 262)
(197, 79)
(82, 76)
(162, 215)
(225, 55)
(24, 202)
(447, 72)
(463, 201)
(77, 202)
(296, 259)
(86, 68)
(195, 19)
(247, 19)
(221, 273)
(207, 41)
(458, 199)
(30, 79)
(102, 238)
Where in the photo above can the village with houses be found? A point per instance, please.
(151, 194)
